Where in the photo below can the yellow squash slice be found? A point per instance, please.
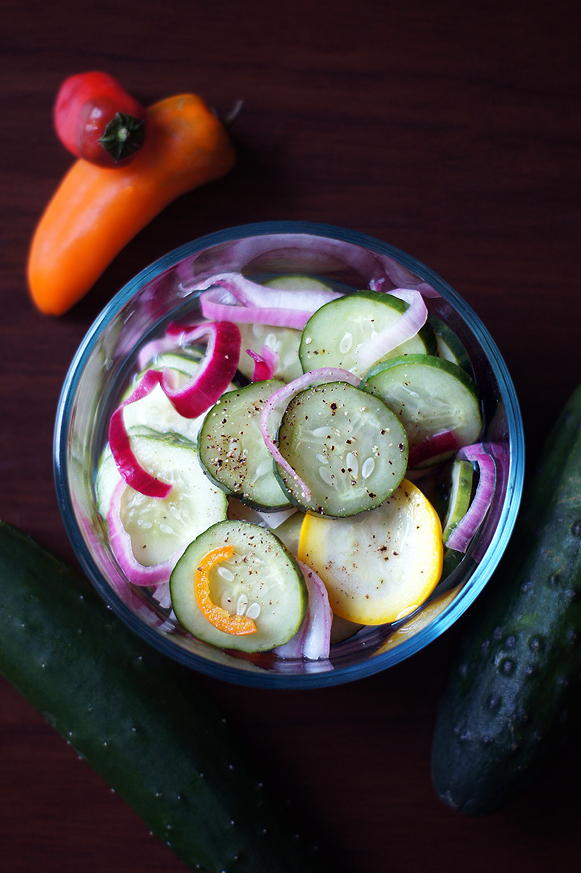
(378, 566)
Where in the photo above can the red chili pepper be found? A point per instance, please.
(98, 120)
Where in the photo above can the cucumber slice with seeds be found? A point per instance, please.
(233, 451)
(160, 527)
(430, 396)
(155, 410)
(462, 477)
(449, 346)
(335, 331)
(346, 445)
(284, 341)
(261, 580)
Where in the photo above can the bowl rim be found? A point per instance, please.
(345, 673)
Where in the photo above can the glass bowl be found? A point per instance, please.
(143, 308)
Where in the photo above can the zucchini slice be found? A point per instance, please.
(260, 580)
(233, 451)
(160, 527)
(345, 444)
(419, 620)
(155, 410)
(430, 396)
(334, 332)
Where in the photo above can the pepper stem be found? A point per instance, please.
(124, 135)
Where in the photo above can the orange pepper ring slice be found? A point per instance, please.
(237, 625)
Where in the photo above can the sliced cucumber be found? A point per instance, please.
(261, 580)
(431, 396)
(107, 476)
(284, 341)
(379, 566)
(449, 346)
(233, 451)
(161, 527)
(297, 282)
(346, 445)
(334, 333)
(155, 410)
(186, 362)
(462, 476)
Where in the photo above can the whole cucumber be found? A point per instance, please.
(513, 689)
(142, 722)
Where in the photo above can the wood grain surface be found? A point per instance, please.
(448, 129)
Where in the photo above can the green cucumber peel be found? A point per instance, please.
(140, 720)
(512, 698)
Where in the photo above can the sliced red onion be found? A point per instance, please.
(313, 639)
(214, 373)
(501, 454)
(427, 290)
(163, 596)
(467, 526)
(316, 255)
(233, 297)
(440, 444)
(317, 638)
(251, 293)
(402, 329)
(214, 307)
(129, 467)
(265, 363)
(122, 548)
(198, 394)
(395, 275)
(377, 284)
(172, 339)
(281, 399)
(294, 647)
(152, 349)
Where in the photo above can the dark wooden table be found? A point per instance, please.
(451, 130)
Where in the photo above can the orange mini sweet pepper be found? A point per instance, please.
(236, 625)
(96, 211)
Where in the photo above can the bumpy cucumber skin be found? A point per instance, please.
(139, 719)
(511, 697)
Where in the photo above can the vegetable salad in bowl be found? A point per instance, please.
(288, 455)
